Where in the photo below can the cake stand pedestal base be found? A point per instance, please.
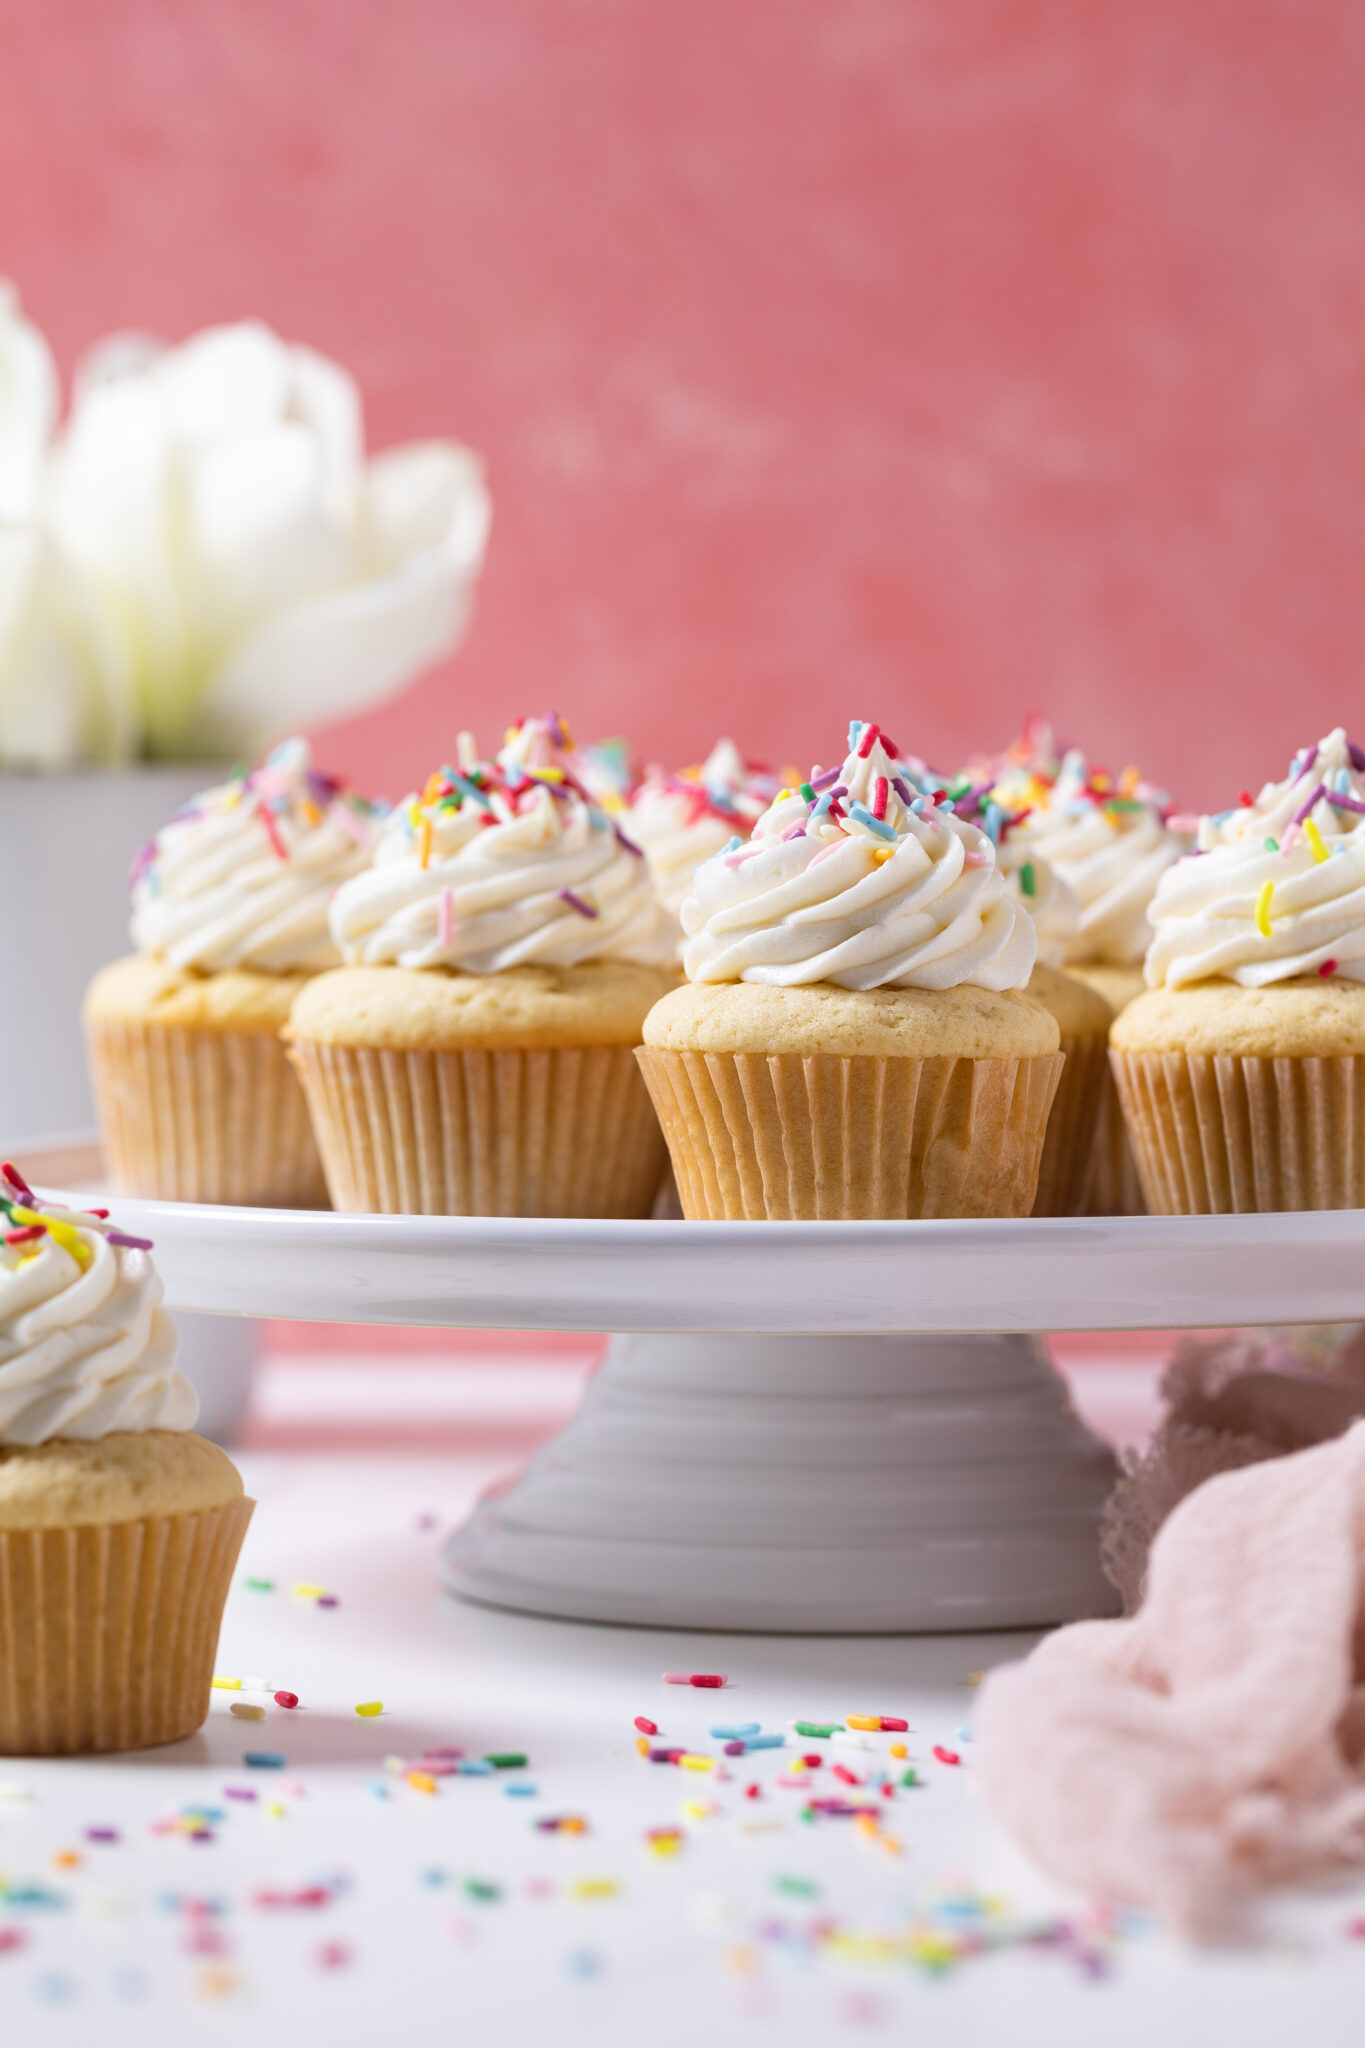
(826, 1485)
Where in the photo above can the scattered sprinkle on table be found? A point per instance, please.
(246, 1712)
(708, 1679)
(367, 1709)
(265, 1760)
(286, 1699)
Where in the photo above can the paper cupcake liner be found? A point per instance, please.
(561, 1132)
(108, 1634)
(1112, 1187)
(203, 1116)
(1222, 1135)
(1069, 1145)
(787, 1136)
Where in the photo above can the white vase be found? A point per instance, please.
(66, 842)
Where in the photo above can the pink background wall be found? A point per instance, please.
(919, 358)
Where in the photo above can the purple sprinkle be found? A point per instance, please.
(1319, 790)
(129, 1244)
(102, 1835)
(328, 1600)
(1346, 803)
(840, 789)
(734, 1749)
(576, 903)
(238, 1792)
(793, 832)
(1357, 755)
(819, 782)
(621, 840)
(902, 789)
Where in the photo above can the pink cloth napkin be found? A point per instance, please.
(1214, 1742)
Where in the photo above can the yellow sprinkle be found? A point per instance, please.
(368, 1708)
(276, 1809)
(798, 1765)
(642, 1745)
(245, 1712)
(665, 1845)
(229, 1684)
(698, 1809)
(872, 1721)
(1263, 902)
(307, 1592)
(594, 1888)
(414, 815)
(974, 1677)
(62, 1233)
(899, 1749)
(426, 842)
(1314, 838)
(573, 1824)
(420, 1781)
(312, 815)
(67, 1859)
(548, 774)
(691, 1762)
(882, 854)
(781, 796)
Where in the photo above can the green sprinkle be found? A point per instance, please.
(821, 1730)
(807, 792)
(480, 1888)
(261, 1585)
(909, 1777)
(797, 1887)
(1271, 845)
(507, 1760)
(1028, 881)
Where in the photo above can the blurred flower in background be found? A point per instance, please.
(203, 559)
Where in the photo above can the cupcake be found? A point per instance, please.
(195, 1093)
(119, 1527)
(1242, 1069)
(1108, 840)
(680, 820)
(475, 1055)
(855, 1039)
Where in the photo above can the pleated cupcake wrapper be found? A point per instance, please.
(1069, 1145)
(203, 1116)
(567, 1131)
(1113, 1187)
(1223, 1135)
(108, 1634)
(756, 1137)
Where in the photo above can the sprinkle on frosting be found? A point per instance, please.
(1275, 888)
(828, 891)
(682, 819)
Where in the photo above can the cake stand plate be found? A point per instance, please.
(815, 1426)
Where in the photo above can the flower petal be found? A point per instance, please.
(28, 407)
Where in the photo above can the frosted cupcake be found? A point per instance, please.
(119, 1527)
(475, 1056)
(1242, 1069)
(196, 1097)
(681, 820)
(855, 1039)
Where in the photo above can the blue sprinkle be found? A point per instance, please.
(473, 1767)
(1219, 816)
(730, 846)
(948, 804)
(822, 804)
(53, 1988)
(765, 1742)
(377, 1788)
(265, 1759)
(583, 1963)
(734, 1731)
(520, 1791)
(918, 806)
(964, 1734)
(854, 732)
(434, 1879)
(877, 825)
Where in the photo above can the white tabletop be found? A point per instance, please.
(763, 1926)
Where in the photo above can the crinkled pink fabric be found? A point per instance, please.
(1214, 1742)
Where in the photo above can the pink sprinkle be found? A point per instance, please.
(445, 924)
(704, 1678)
(946, 1756)
(837, 846)
(741, 854)
(975, 857)
(272, 833)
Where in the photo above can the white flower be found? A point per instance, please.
(28, 408)
(218, 563)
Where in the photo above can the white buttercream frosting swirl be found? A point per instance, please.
(502, 864)
(861, 880)
(244, 875)
(86, 1348)
(1108, 842)
(681, 820)
(1275, 888)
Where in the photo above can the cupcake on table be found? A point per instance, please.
(196, 1096)
(1242, 1069)
(119, 1527)
(1106, 840)
(681, 820)
(855, 1039)
(474, 1057)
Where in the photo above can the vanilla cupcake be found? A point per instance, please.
(475, 1055)
(855, 1039)
(119, 1527)
(1242, 1070)
(196, 1096)
(680, 820)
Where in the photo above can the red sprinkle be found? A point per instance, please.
(272, 833)
(892, 1726)
(1327, 967)
(753, 1791)
(645, 1725)
(27, 1235)
(867, 740)
(812, 1762)
(845, 1776)
(1245, 799)
(16, 1180)
(709, 1678)
(286, 1699)
(946, 1756)
(881, 789)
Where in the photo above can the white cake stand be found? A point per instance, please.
(814, 1426)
